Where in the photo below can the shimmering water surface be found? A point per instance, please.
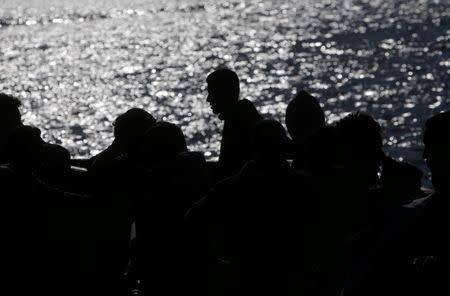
(76, 65)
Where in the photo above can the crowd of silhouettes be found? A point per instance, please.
(323, 211)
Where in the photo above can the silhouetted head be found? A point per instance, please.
(269, 140)
(55, 160)
(130, 126)
(437, 150)
(223, 90)
(304, 116)
(162, 142)
(360, 147)
(24, 148)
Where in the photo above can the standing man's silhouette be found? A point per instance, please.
(239, 117)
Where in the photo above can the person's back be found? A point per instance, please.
(239, 117)
(235, 146)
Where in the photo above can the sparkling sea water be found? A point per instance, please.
(78, 64)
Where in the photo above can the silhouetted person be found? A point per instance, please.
(33, 246)
(411, 255)
(112, 172)
(128, 128)
(304, 117)
(20, 225)
(170, 181)
(254, 222)
(9, 119)
(239, 116)
(347, 204)
(360, 148)
(162, 142)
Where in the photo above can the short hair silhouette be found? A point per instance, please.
(436, 130)
(269, 140)
(357, 131)
(24, 148)
(9, 111)
(437, 146)
(360, 146)
(131, 125)
(223, 89)
(163, 141)
(304, 116)
(225, 80)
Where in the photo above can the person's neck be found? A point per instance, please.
(229, 111)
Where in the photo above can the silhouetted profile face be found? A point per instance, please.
(360, 147)
(223, 90)
(437, 150)
(131, 125)
(304, 117)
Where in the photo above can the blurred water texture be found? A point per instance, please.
(76, 65)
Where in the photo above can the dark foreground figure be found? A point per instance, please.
(42, 250)
(411, 256)
(168, 182)
(254, 222)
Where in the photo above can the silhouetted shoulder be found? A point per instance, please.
(246, 111)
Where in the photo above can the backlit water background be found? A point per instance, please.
(78, 64)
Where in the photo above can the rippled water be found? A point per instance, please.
(76, 65)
